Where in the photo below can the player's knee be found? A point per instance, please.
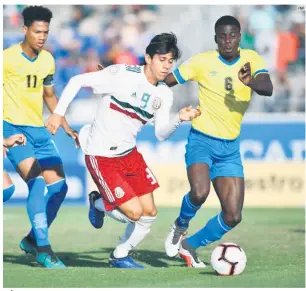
(199, 194)
(29, 169)
(232, 219)
(152, 212)
(134, 215)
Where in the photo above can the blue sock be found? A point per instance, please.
(36, 210)
(213, 230)
(188, 211)
(8, 192)
(53, 200)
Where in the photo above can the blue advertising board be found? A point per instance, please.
(260, 141)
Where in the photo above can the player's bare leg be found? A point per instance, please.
(132, 209)
(147, 202)
(8, 187)
(97, 210)
(198, 176)
(7, 181)
(31, 172)
(230, 191)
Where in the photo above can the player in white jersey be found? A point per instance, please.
(131, 97)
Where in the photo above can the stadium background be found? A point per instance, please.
(273, 133)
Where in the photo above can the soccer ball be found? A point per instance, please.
(228, 259)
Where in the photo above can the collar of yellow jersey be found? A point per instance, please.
(226, 61)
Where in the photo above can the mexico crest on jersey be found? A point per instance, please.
(119, 192)
(156, 104)
(114, 69)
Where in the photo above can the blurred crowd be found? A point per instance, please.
(277, 33)
(83, 36)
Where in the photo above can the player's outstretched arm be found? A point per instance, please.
(189, 113)
(261, 84)
(51, 102)
(166, 123)
(69, 93)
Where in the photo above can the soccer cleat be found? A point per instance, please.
(189, 254)
(28, 245)
(126, 262)
(174, 238)
(49, 260)
(96, 217)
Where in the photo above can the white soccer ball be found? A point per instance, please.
(228, 259)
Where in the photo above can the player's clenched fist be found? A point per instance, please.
(18, 139)
(244, 74)
(189, 113)
(54, 123)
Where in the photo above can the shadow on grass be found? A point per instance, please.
(212, 273)
(93, 259)
(298, 230)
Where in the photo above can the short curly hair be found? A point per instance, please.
(36, 13)
(227, 20)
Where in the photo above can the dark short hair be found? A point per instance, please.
(36, 13)
(162, 44)
(227, 20)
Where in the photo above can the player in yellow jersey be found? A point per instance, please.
(226, 78)
(28, 81)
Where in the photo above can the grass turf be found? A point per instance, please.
(273, 239)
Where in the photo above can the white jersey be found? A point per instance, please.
(128, 102)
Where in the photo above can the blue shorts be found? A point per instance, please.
(222, 156)
(39, 145)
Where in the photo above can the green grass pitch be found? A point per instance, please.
(273, 239)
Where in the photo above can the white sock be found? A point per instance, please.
(99, 205)
(115, 213)
(134, 234)
(118, 215)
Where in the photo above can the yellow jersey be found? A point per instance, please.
(23, 82)
(223, 98)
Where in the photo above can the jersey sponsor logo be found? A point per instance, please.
(157, 102)
(213, 73)
(119, 192)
